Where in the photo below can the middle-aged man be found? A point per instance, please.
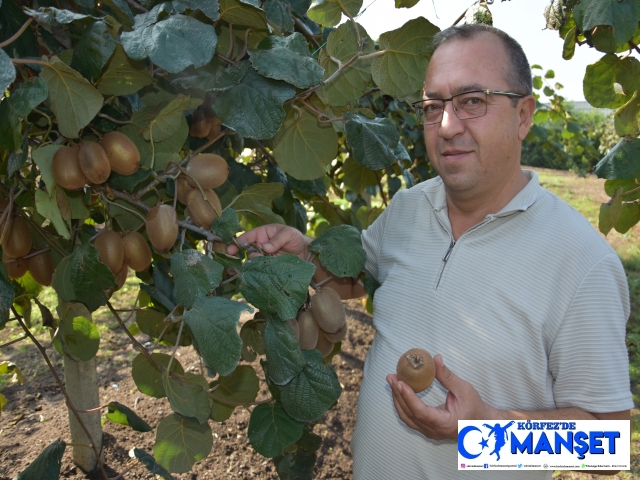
(517, 293)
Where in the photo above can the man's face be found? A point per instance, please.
(477, 155)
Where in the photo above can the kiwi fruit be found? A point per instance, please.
(338, 336)
(17, 239)
(200, 124)
(110, 249)
(122, 153)
(308, 331)
(328, 310)
(203, 213)
(220, 247)
(41, 268)
(66, 170)
(121, 276)
(209, 169)
(296, 328)
(17, 268)
(324, 345)
(137, 253)
(184, 189)
(417, 369)
(94, 162)
(162, 227)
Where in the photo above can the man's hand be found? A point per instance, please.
(463, 403)
(275, 239)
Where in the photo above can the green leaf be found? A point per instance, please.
(122, 12)
(148, 378)
(569, 47)
(7, 293)
(16, 159)
(626, 117)
(7, 71)
(621, 15)
(164, 151)
(48, 464)
(351, 83)
(295, 466)
(340, 250)
(28, 95)
(93, 50)
(242, 386)
(277, 285)
(10, 368)
(309, 441)
(243, 14)
(537, 82)
(221, 81)
(208, 7)
(357, 178)
(610, 187)
(181, 442)
(54, 16)
(271, 430)
(328, 13)
(227, 225)
(168, 121)
(123, 415)
(254, 108)
(401, 70)
(287, 59)
(73, 99)
(213, 321)
(148, 461)
(81, 277)
(10, 127)
(622, 162)
(43, 157)
(628, 75)
(629, 216)
(283, 352)
(79, 337)
(373, 141)
(259, 194)
(3, 402)
(252, 334)
(123, 76)
(406, 3)
(303, 148)
(598, 83)
(279, 15)
(128, 183)
(195, 275)
(313, 391)
(48, 208)
(187, 398)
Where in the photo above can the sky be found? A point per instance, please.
(522, 19)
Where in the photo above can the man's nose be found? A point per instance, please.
(451, 125)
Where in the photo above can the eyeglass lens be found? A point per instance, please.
(466, 106)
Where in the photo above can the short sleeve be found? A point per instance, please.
(372, 239)
(588, 358)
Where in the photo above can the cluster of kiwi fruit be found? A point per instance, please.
(323, 324)
(417, 369)
(75, 166)
(120, 253)
(204, 122)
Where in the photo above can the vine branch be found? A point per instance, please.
(15, 36)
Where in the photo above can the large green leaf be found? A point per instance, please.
(259, 194)
(373, 142)
(7, 71)
(213, 322)
(72, 98)
(148, 378)
(629, 216)
(401, 70)
(43, 158)
(123, 76)
(271, 430)
(277, 285)
(208, 7)
(252, 334)
(169, 120)
(28, 95)
(283, 352)
(150, 463)
(123, 415)
(599, 82)
(622, 162)
(220, 81)
(328, 13)
(227, 225)
(303, 148)
(287, 59)
(48, 464)
(10, 127)
(243, 14)
(622, 15)
(626, 117)
(406, 3)
(48, 208)
(81, 277)
(189, 399)
(295, 466)
(181, 442)
(163, 152)
(357, 178)
(242, 386)
(54, 16)
(79, 338)
(93, 50)
(313, 391)
(253, 108)
(340, 250)
(279, 15)
(195, 275)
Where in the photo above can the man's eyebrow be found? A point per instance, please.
(456, 91)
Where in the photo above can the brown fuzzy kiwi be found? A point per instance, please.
(417, 369)
(17, 268)
(110, 249)
(66, 170)
(309, 331)
(41, 268)
(338, 336)
(328, 310)
(209, 169)
(94, 162)
(17, 240)
(215, 129)
(162, 227)
(121, 276)
(201, 211)
(184, 190)
(137, 253)
(324, 345)
(200, 124)
(296, 328)
(220, 247)
(122, 153)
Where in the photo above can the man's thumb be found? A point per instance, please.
(446, 377)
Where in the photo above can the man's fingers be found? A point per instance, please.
(287, 239)
(446, 377)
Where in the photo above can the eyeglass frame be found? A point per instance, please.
(486, 91)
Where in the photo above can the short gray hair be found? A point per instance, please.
(518, 75)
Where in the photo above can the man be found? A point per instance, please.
(506, 282)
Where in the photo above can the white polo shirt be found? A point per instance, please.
(530, 307)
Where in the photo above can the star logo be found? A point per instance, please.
(484, 442)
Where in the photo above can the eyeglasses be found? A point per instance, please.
(466, 105)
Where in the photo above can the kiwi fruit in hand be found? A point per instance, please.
(417, 369)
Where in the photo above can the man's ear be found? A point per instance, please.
(526, 109)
